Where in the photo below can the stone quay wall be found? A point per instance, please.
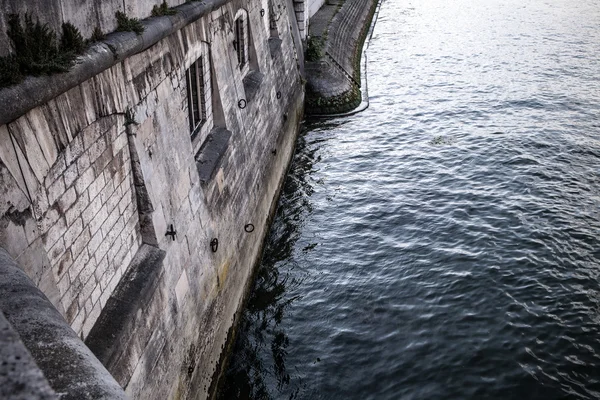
(141, 229)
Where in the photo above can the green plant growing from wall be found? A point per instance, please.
(126, 24)
(314, 49)
(97, 35)
(36, 50)
(71, 40)
(162, 10)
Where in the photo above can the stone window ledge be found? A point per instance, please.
(275, 47)
(209, 156)
(252, 83)
(126, 311)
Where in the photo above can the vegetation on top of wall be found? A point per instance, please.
(97, 35)
(36, 50)
(126, 24)
(162, 10)
(314, 49)
(71, 39)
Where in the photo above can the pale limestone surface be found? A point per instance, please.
(86, 187)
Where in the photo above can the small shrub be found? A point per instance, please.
(35, 47)
(314, 50)
(126, 24)
(71, 40)
(162, 10)
(97, 35)
(36, 50)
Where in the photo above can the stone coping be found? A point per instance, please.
(35, 91)
(20, 377)
(69, 366)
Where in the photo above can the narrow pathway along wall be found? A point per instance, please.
(137, 201)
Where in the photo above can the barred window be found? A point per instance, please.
(241, 34)
(196, 91)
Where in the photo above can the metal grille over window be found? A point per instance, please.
(240, 44)
(196, 95)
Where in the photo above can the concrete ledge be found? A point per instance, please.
(211, 152)
(34, 91)
(252, 83)
(68, 365)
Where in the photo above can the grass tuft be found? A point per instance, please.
(126, 24)
(162, 10)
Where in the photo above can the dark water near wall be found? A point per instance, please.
(443, 244)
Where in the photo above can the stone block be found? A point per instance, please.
(125, 201)
(119, 144)
(96, 186)
(87, 275)
(182, 288)
(63, 264)
(56, 190)
(80, 242)
(32, 154)
(70, 174)
(98, 220)
(55, 232)
(83, 162)
(78, 321)
(67, 199)
(84, 180)
(91, 320)
(56, 170)
(78, 265)
(91, 134)
(110, 222)
(73, 232)
(96, 149)
(88, 286)
(55, 253)
(77, 208)
(94, 242)
(74, 150)
(102, 161)
(108, 190)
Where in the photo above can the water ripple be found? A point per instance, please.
(443, 243)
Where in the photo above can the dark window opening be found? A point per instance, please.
(240, 43)
(196, 95)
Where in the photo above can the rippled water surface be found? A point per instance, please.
(443, 244)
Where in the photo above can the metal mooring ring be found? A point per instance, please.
(249, 228)
(278, 95)
(214, 245)
(242, 103)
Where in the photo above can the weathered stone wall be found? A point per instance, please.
(83, 203)
(96, 178)
(85, 15)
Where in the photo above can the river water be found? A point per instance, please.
(444, 243)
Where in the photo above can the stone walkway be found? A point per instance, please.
(333, 81)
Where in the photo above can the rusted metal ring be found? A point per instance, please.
(249, 228)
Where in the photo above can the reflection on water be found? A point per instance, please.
(250, 374)
(443, 244)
